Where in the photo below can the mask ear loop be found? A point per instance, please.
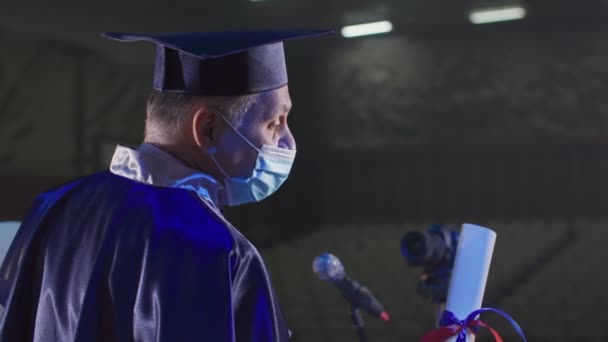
(212, 150)
(237, 132)
(211, 153)
(219, 167)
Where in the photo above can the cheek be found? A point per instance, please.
(235, 156)
(264, 136)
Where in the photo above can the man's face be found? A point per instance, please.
(264, 124)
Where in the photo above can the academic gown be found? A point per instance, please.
(105, 258)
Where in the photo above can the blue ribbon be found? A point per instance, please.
(448, 318)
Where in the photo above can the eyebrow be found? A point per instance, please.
(284, 109)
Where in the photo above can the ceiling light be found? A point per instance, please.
(492, 15)
(367, 29)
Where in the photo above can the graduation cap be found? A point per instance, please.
(219, 63)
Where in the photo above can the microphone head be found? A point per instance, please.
(328, 268)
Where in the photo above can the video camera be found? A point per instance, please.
(434, 249)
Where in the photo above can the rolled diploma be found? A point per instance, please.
(470, 272)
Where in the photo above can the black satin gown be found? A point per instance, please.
(105, 258)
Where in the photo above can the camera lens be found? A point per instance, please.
(414, 247)
(424, 248)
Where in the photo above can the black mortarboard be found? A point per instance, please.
(219, 63)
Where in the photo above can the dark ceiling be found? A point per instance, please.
(80, 22)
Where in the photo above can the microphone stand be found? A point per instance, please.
(358, 322)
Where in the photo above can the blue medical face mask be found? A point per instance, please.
(272, 167)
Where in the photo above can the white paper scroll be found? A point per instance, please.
(470, 272)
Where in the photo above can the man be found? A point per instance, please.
(142, 252)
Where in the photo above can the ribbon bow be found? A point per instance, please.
(451, 326)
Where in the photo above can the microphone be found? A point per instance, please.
(329, 268)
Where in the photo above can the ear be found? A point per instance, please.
(204, 128)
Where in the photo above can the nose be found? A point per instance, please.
(287, 141)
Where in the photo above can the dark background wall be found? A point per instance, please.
(490, 87)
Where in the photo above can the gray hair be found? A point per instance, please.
(168, 112)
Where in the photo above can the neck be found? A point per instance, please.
(190, 155)
(177, 150)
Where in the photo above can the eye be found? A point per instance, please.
(273, 125)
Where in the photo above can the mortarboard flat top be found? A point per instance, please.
(219, 63)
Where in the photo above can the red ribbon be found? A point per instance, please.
(443, 333)
(450, 326)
